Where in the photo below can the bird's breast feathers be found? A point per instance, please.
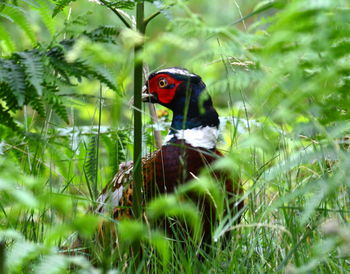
(205, 137)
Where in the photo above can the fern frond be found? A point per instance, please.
(36, 103)
(123, 139)
(7, 41)
(77, 69)
(4, 73)
(8, 97)
(45, 11)
(6, 17)
(33, 68)
(103, 75)
(59, 65)
(56, 102)
(19, 17)
(91, 159)
(32, 77)
(13, 75)
(115, 144)
(103, 34)
(7, 120)
(123, 4)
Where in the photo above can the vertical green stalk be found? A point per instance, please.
(2, 257)
(138, 69)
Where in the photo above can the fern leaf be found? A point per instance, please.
(56, 102)
(6, 17)
(7, 120)
(78, 69)
(91, 159)
(4, 73)
(19, 17)
(13, 75)
(123, 4)
(37, 104)
(59, 64)
(8, 97)
(33, 68)
(103, 75)
(123, 139)
(115, 144)
(7, 40)
(45, 11)
(60, 5)
(59, 108)
(103, 34)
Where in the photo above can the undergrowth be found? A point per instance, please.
(278, 73)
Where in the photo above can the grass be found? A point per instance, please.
(289, 198)
(284, 137)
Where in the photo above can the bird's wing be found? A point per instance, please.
(116, 197)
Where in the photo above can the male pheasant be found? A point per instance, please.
(189, 146)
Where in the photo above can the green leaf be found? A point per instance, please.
(123, 4)
(103, 34)
(86, 225)
(104, 76)
(45, 11)
(206, 187)
(13, 75)
(7, 40)
(55, 101)
(131, 231)
(7, 120)
(19, 16)
(90, 165)
(60, 5)
(20, 254)
(171, 206)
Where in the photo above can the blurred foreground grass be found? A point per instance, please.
(280, 79)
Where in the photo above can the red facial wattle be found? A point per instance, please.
(164, 86)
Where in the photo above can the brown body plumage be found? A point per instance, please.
(163, 171)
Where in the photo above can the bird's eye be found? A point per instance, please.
(163, 83)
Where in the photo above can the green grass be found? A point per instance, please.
(288, 198)
(281, 81)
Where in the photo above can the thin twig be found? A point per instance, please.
(261, 9)
(240, 14)
(149, 18)
(155, 14)
(116, 12)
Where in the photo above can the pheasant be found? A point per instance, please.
(189, 146)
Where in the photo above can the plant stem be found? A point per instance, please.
(2, 257)
(138, 68)
(152, 16)
(116, 12)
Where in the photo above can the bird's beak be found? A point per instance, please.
(148, 97)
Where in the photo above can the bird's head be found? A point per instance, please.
(171, 86)
(194, 118)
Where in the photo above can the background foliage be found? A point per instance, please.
(278, 72)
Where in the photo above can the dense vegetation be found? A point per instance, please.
(279, 74)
